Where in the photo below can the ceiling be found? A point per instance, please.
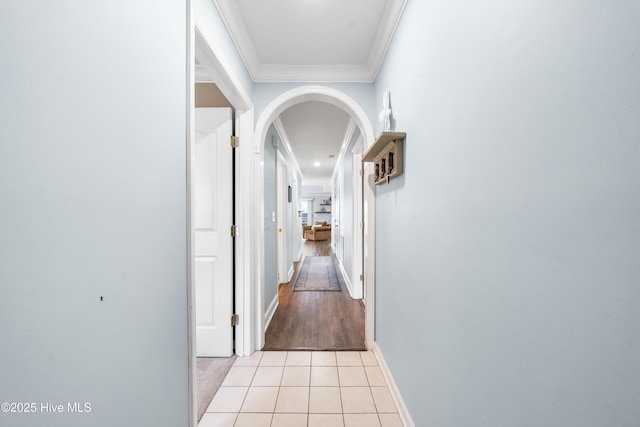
(311, 40)
(315, 131)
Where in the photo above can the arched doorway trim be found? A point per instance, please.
(271, 113)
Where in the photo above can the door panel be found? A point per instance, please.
(212, 220)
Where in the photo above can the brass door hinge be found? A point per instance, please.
(362, 277)
(361, 172)
(234, 231)
(235, 320)
(235, 141)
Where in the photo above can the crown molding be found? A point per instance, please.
(386, 30)
(237, 28)
(338, 73)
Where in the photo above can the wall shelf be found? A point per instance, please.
(386, 153)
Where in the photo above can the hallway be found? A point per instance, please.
(316, 320)
(304, 389)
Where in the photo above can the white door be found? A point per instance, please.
(212, 219)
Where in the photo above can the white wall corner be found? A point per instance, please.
(403, 412)
(271, 310)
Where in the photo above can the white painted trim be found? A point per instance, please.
(403, 412)
(281, 211)
(348, 73)
(299, 257)
(290, 273)
(190, 159)
(232, 18)
(361, 119)
(369, 255)
(246, 250)
(347, 280)
(358, 241)
(384, 35)
(213, 63)
(257, 211)
(271, 310)
(312, 93)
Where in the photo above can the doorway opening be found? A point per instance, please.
(220, 109)
(358, 122)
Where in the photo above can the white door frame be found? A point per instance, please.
(357, 268)
(281, 217)
(212, 177)
(358, 115)
(217, 70)
(296, 222)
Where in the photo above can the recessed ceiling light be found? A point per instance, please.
(316, 164)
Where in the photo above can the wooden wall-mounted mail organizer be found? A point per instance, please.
(386, 153)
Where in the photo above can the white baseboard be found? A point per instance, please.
(290, 273)
(347, 280)
(271, 310)
(403, 412)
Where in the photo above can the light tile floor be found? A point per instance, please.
(303, 389)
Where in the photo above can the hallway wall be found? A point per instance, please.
(345, 233)
(270, 227)
(272, 147)
(93, 246)
(507, 254)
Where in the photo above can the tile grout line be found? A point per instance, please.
(370, 390)
(249, 388)
(308, 414)
(344, 421)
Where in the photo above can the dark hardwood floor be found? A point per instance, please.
(316, 320)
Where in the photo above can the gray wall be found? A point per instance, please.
(507, 254)
(272, 146)
(93, 194)
(270, 227)
(346, 206)
(317, 198)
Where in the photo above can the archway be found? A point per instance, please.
(271, 113)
